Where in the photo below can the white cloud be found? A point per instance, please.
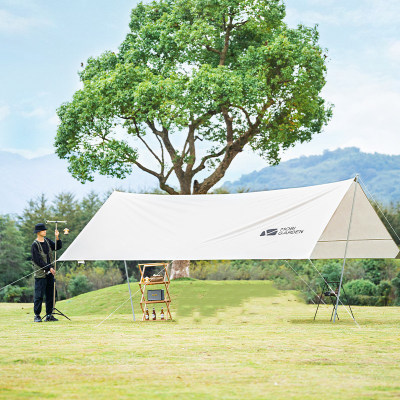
(37, 112)
(367, 13)
(295, 17)
(45, 116)
(30, 153)
(54, 120)
(365, 114)
(16, 24)
(394, 51)
(4, 112)
(244, 163)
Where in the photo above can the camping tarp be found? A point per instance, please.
(299, 223)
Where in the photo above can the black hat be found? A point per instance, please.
(39, 228)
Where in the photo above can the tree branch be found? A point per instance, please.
(209, 48)
(229, 125)
(202, 164)
(167, 188)
(192, 150)
(169, 173)
(245, 113)
(147, 146)
(160, 177)
(151, 125)
(240, 24)
(162, 151)
(231, 152)
(170, 148)
(148, 170)
(226, 44)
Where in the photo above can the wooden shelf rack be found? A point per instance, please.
(143, 284)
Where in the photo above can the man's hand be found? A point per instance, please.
(57, 233)
(52, 270)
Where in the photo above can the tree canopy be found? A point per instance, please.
(194, 83)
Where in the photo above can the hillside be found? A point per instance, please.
(203, 297)
(380, 172)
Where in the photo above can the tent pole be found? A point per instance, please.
(345, 250)
(129, 286)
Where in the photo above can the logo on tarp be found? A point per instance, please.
(288, 230)
(269, 232)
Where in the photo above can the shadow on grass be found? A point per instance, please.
(321, 321)
(206, 300)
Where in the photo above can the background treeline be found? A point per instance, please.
(367, 282)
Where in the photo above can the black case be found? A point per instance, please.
(155, 295)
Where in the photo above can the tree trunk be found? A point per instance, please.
(180, 269)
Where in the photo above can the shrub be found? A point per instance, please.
(360, 287)
(12, 294)
(361, 292)
(396, 284)
(79, 284)
(331, 270)
(384, 290)
(363, 300)
(373, 270)
(99, 277)
(27, 294)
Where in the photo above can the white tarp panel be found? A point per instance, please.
(368, 237)
(300, 223)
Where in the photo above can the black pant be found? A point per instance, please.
(43, 286)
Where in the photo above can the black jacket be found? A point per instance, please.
(37, 259)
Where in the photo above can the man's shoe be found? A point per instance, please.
(50, 317)
(37, 318)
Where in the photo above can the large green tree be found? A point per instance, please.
(193, 84)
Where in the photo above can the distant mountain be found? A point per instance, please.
(23, 179)
(380, 172)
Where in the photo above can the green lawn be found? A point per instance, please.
(229, 340)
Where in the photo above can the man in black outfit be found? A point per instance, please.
(42, 262)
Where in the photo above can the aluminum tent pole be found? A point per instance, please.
(345, 250)
(55, 259)
(55, 268)
(129, 286)
(55, 310)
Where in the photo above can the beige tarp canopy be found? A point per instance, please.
(300, 223)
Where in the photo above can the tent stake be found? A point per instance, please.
(129, 286)
(345, 250)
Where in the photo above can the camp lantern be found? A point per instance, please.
(66, 231)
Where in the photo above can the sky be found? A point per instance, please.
(43, 43)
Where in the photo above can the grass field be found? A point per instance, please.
(228, 340)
